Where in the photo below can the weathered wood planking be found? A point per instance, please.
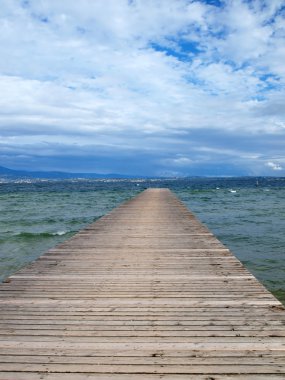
(146, 292)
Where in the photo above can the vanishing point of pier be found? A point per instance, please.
(146, 292)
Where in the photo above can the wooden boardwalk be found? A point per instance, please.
(146, 292)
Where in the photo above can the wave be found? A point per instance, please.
(38, 235)
(59, 233)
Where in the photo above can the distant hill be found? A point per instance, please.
(23, 174)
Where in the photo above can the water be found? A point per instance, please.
(251, 222)
(248, 219)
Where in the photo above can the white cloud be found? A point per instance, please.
(116, 73)
(274, 166)
(180, 160)
(248, 36)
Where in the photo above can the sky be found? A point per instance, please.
(143, 87)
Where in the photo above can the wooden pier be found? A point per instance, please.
(146, 292)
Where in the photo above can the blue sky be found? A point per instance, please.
(152, 87)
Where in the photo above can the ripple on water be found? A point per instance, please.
(251, 222)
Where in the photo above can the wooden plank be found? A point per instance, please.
(147, 368)
(80, 376)
(146, 292)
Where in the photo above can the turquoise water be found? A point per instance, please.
(251, 222)
(32, 222)
(249, 219)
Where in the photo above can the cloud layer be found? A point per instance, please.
(143, 86)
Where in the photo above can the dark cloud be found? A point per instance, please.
(143, 87)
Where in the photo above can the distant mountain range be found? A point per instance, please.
(6, 173)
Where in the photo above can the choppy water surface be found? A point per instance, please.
(35, 217)
(251, 222)
(249, 219)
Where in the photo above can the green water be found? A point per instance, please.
(251, 222)
(32, 222)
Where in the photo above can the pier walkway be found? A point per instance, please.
(145, 293)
